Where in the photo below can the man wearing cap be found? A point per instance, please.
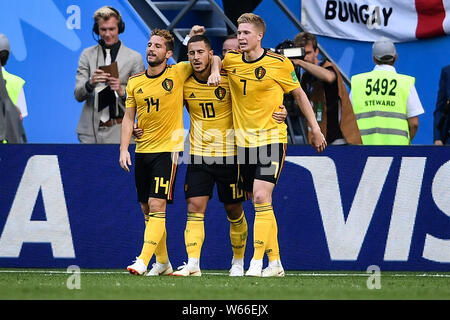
(14, 84)
(385, 103)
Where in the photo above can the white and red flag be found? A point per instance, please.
(367, 20)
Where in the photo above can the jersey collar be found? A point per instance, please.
(198, 80)
(262, 56)
(155, 76)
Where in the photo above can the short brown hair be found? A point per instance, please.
(253, 19)
(168, 37)
(303, 38)
(199, 38)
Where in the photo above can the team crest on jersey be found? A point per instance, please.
(260, 72)
(220, 93)
(167, 84)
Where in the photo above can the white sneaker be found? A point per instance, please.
(237, 268)
(274, 269)
(160, 269)
(138, 267)
(187, 270)
(255, 268)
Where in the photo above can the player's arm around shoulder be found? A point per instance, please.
(215, 77)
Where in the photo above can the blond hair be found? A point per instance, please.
(105, 13)
(253, 19)
(168, 37)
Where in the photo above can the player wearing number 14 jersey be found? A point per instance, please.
(156, 96)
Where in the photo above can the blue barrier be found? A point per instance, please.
(345, 209)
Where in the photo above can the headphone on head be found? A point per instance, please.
(121, 24)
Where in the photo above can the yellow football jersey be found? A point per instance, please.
(211, 132)
(257, 90)
(159, 106)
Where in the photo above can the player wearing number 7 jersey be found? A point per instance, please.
(156, 96)
(258, 81)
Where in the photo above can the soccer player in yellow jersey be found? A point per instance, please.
(156, 96)
(258, 78)
(212, 159)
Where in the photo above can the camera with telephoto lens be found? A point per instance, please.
(288, 49)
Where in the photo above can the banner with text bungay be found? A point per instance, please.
(401, 20)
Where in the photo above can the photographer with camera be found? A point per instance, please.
(326, 90)
(441, 113)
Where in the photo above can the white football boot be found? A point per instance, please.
(188, 270)
(160, 269)
(274, 269)
(138, 267)
(237, 268)
(255, 269)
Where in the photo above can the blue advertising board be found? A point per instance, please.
(345, 209)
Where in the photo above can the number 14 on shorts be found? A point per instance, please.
(161, 184)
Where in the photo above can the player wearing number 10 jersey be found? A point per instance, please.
(212, 160)
(157, 97)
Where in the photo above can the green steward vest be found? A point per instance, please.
(13, 85)
(379, 103)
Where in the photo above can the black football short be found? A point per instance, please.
(155, 175)
(261, 163)
(202, 174)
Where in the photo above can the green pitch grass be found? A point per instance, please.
(37, 284)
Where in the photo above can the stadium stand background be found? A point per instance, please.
(46, 42)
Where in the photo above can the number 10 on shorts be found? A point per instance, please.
(237, 193)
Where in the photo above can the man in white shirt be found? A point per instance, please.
(386, 103)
